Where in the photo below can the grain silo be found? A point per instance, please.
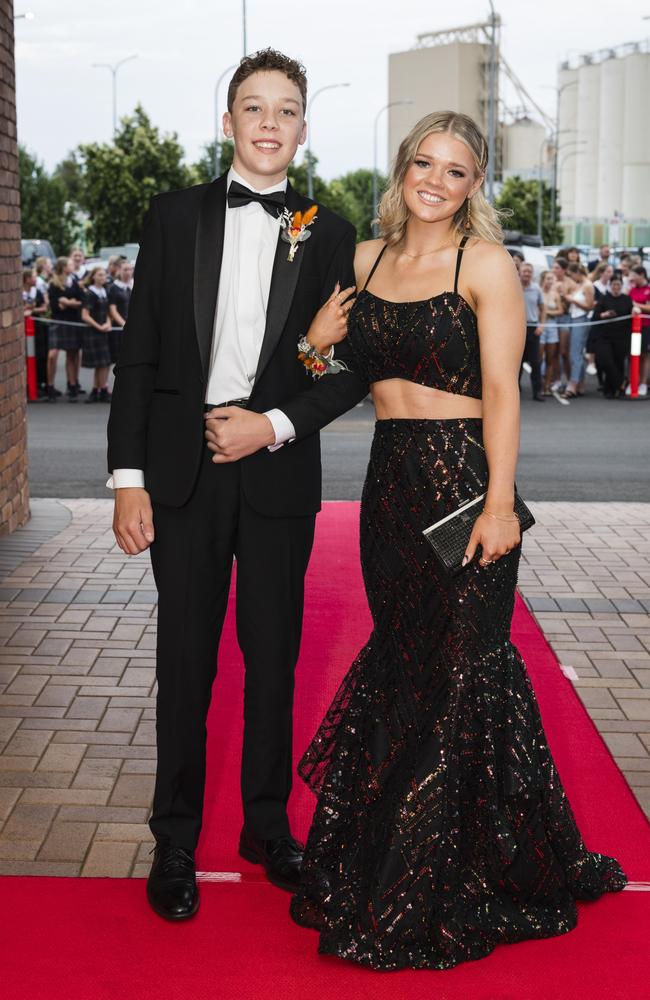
(604, 146)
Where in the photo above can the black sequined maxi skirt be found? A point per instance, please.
(441, 827)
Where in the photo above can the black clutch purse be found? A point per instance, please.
(450, 536)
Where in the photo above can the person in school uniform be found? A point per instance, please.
(115, 262)
(35, 305)
(96, 348)
(66, 299)
(78, 260)
(119, 296)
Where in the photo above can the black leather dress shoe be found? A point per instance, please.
(281, 857)
(171, 888)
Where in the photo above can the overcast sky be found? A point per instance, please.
(183, 46)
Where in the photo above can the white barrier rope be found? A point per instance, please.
(568, 326)
(70, 322)
(588, 322)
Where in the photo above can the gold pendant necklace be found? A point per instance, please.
(425, 253)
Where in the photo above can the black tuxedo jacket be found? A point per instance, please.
(156, 420)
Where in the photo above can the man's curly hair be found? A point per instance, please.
(263, 62)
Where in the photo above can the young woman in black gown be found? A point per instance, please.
(441, 827)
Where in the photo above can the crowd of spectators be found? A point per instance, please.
(578, 323)
(80, 310)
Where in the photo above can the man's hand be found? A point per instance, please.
(133, 520)
(539, 330)
(232, 433)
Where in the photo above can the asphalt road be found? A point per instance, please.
(591, 450)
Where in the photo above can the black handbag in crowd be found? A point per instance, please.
(449, 537)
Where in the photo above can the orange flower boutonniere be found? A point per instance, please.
(295, 227)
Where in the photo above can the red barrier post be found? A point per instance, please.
(635, 356)
(30, 359)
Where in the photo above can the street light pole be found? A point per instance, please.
(375, 198)
(539, 189)
(217, 122)
(243, 17)
(559, 90)
(553, 138)
(114, 68)
(492, 103)
(310, 172)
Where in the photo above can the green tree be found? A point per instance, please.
(298, 174)
(203, 169)
(69, 172)
(521, 198)
(45, 211)
(352, 198)
(120, 178)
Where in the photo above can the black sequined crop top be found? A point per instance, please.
(433, 342)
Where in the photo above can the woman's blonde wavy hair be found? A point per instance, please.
(485, 221)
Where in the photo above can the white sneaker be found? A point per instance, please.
(526, 368)
(556, 395)
(591, 369)
(643, 389)
(628, 391)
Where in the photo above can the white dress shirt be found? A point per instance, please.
(250, 241)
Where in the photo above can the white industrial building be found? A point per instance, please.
(604, 146)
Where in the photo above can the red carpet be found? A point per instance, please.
(96, 940)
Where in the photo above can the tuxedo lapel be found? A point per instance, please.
(208, 253)
(284, 281)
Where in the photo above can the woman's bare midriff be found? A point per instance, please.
(398, 399)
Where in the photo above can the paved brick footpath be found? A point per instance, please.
(77, 640)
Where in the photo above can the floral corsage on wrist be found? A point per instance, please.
(295, 227)
(319, 364)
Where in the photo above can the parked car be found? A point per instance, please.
(31, 249)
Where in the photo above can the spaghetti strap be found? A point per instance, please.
(459, 256)
(375, 266)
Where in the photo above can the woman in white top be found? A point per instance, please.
(581, 302)
(549, 342)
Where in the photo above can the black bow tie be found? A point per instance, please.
(272, 203)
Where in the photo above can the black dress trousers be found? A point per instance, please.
(192, 558)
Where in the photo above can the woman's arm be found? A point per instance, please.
(87, 318)
(502, 325)
(588, 291)
(501, 314)
(329, 325)
(115, 316)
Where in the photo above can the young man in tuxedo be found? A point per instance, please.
(214, 452)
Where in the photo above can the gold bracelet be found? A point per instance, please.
(499, 517)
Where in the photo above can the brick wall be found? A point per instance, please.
(14, 495)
